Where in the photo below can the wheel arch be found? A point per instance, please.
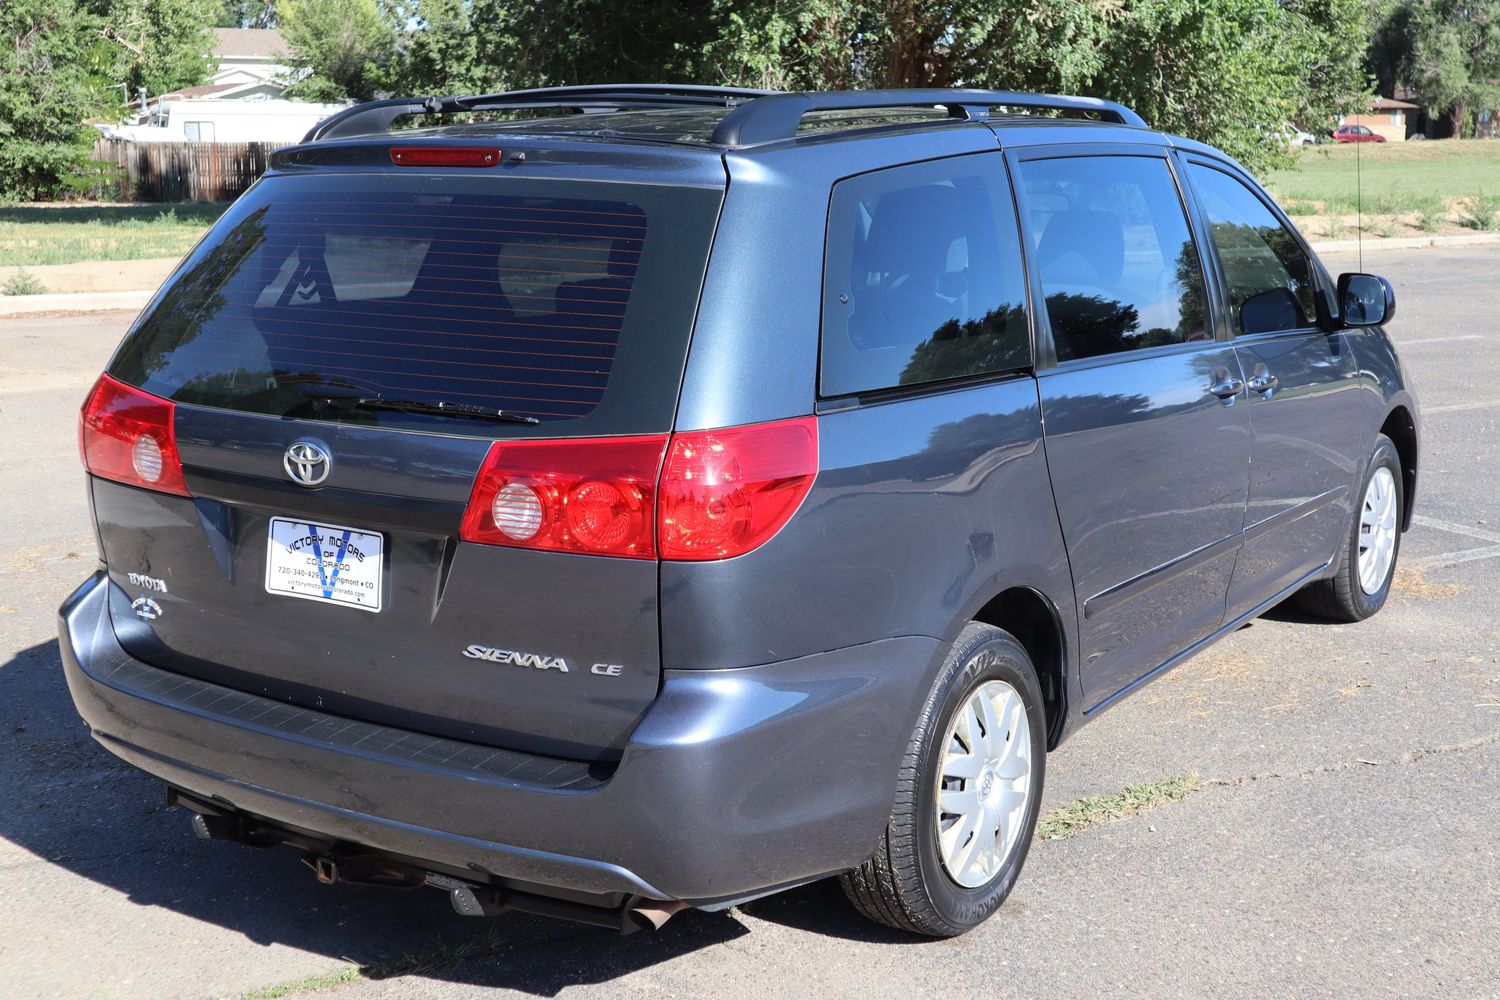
(1402, 430)
(1037, 625)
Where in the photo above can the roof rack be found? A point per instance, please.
(777, 116)
(377, 116)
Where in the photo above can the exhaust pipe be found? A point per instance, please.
(472, 900)
(651, 914)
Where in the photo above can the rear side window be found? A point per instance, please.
(923, 278)
(1117, 262)
(562, 301)
(1268, 275)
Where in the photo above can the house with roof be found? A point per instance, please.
(1387, 116)
(251, 57)
(250, 63)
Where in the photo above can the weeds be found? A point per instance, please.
(1335, 227)
(1431, 222)
(1481, 213)
(1074, 817)
(23, 282)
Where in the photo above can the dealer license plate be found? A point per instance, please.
(324, 562)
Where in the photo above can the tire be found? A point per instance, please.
(907, 883)
(1344, 597)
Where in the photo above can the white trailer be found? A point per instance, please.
(224, 121)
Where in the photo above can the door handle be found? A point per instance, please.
(1263, 381)
(1227, 387)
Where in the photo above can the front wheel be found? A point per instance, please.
(967, 796)
(1367, 559)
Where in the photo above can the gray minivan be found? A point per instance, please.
(597, 501)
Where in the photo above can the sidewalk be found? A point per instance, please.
(103, 286)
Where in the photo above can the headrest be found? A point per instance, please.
(1082, 239)
(914, 227)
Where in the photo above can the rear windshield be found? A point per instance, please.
(561, 301)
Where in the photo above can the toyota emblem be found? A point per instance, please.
(307, 463)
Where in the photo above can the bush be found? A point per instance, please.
(1481, 213)
(23, 282)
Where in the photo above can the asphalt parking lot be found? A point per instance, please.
(1344, 838)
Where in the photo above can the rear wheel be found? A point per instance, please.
(967, 796)
(1367, 561)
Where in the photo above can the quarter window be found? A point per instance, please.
(923, 278)
(1116, 260)
(1268, 276)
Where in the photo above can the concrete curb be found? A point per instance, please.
(77, 302)
(1405, 243)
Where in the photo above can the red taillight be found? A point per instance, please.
(588, 495)
(127, 435)
(702, 495)
(444, 156)
(725, 492)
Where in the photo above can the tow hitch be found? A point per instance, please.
(363, 869)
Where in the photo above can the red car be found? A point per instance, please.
(1356, 133)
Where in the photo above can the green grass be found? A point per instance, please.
(1075, 817)
(1395, 177)
(307, 984)
(23, 282)
(67, 234)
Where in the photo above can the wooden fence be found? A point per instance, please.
(180, 171)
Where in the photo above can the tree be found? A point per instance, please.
(1455, 57)
(1234, 73)
(347, 47)
(1230, 72)
(47, 92)
(1388, 58)
(246, 14)
(161, 45)
(439, 53)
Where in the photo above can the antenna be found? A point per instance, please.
(1359, 203)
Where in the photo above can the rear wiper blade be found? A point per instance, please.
(443, 408)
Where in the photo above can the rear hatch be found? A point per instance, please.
(306, 339)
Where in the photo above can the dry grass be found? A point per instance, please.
(1075, 817)
(1412, 581)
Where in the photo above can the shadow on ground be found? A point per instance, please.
(75, 806)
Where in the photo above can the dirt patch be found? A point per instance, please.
(99, 275)
(1412, 581)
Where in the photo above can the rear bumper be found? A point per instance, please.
(734, 782)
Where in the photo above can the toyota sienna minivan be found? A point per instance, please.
(598, 501)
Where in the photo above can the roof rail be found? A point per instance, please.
(777, 116)
(377, 116)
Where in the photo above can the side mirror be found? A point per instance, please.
(1366, 300)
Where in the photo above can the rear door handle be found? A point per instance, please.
(1227, 387)
(1263, 382)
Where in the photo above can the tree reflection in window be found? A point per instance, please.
(1269, 277)
(971, 347)
(1118, 266)
(923, 279)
